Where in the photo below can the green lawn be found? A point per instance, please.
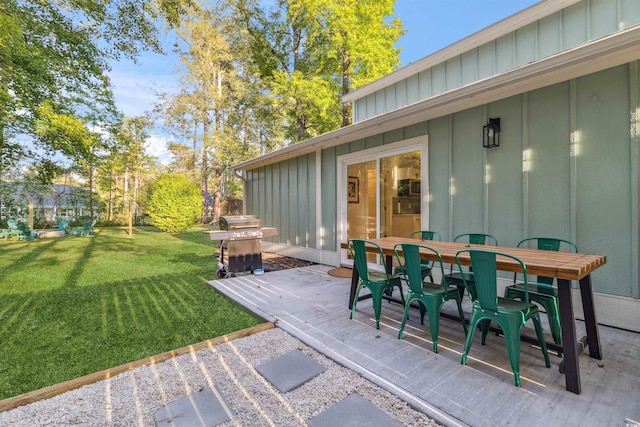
(71, 306)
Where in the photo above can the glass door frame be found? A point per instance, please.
(420, 143)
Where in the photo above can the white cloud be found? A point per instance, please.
(157, 147)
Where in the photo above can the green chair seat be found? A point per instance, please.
(510, 315)
(543, 292)
(429, 295)
(377, 282)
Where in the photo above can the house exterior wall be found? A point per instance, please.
(283, 195)
(567, 166)
(570, 27)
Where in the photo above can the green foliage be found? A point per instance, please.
(309, 53)
(74, 306)
(57, 53)
(174, 203)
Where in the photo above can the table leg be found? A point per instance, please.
(354, 285)
(569, 339)
(388, 264)
(593, 337)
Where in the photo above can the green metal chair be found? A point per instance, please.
(85, 230)
(542, 292)
(509, 314)
(459, 277)
(63, 225)
(430, 296)
(19, 229)
(12, 224)
(425, 266)
(377, 282)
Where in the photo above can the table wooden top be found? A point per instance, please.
(563, 265)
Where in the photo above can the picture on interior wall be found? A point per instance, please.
(353, 189)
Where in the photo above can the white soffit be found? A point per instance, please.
(607, 52)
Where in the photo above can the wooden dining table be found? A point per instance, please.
(564, 266)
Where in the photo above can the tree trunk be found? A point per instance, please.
(346, 107)
(204, 176)
(217, 193)
(110, 198)
(91, 214)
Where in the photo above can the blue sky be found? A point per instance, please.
(430, 26)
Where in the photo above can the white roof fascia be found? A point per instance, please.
(607, 52)
(508, 25)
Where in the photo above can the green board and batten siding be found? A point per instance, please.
(577, 178)
(283, 195)
(573, 26)
(567, 165)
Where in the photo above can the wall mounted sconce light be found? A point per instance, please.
(491, 133)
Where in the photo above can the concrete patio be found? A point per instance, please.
(311, 305)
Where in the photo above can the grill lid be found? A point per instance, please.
(240, 222)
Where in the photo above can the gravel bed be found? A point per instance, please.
(132, 398)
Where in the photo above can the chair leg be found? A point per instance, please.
(461, 313)
(404, 317)
(543, 344)
(377, 305)
(473, 322)
(554, 320)
(512, 331)
(423, 310)
(355, 301)
(485, 325)
(434, 323)
(401, 293)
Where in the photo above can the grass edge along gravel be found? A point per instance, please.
(56, 389)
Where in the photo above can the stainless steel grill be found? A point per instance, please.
(241, 247)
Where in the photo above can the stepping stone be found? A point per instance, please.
(290, 370)
(353, 411)
(206, 408)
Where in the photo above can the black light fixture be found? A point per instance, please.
(491, 133)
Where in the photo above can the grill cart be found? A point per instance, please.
(241, 247)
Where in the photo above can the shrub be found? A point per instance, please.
(174, 203)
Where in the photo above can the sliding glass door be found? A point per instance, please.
(382, 195)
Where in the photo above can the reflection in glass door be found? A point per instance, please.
(361, 200)
(384, 196)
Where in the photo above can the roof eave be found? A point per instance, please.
(609, 51)
(477, 39)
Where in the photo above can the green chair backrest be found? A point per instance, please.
(477, 239)
(546, 244)
(358, 250)
(426, 235)
(64, 223)
(486, 277)
(411, 255)
(12, 224)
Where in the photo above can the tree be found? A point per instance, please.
(133, 137)
(173, 203)
(57, 52)
(360, 37)
(219, 104)
(311, 52)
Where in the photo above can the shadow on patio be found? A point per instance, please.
(311, 305)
